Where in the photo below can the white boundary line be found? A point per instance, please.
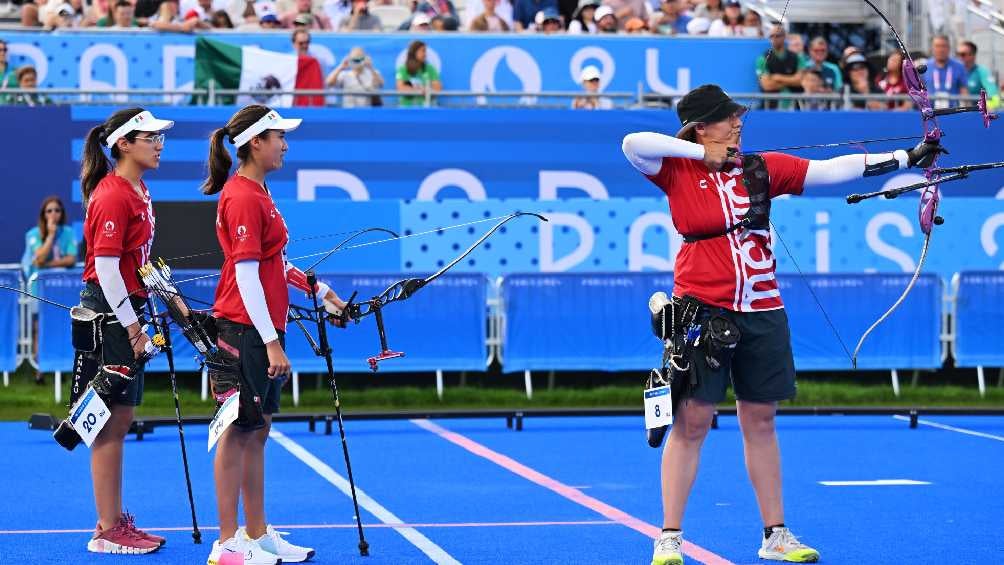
(952, 428)
(874, 483)
(427, 546)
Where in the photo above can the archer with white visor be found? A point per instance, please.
(724, 276)
(118, 229)
(250, 309)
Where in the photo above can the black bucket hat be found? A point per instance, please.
(704, 104)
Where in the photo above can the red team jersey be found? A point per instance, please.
(249, 227)
(119, 223)
(735, 271)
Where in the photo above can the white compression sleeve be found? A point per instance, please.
(253, 295)
(848, 167)
(114, 288)
(645, 150)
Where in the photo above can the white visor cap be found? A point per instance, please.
(271, 120)
(143, 121)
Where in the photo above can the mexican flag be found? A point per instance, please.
(254, 69)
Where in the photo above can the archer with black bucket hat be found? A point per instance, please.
(719, 200)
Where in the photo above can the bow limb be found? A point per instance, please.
(902, 297)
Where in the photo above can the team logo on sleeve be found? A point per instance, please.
(242, 233)
(109, 228)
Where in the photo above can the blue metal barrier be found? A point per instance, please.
(979, 317)
(568, 321)
(9, 307)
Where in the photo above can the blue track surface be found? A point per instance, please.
(476, 511)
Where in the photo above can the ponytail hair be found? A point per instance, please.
(219, 161)
(94, 164)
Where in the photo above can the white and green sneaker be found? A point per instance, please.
(667, 549)
(782, 545)
(289, 553)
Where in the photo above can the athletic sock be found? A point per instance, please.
(767, 531)
(671, 530)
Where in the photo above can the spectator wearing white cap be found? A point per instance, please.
(731, 22)
(489, 19)
(582, 19)
(420, 22)
(524, 12)
(548, 21)
(698, 26)
(859, 81)
(606, 20)
(590, 79)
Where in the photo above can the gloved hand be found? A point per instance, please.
(924, 154)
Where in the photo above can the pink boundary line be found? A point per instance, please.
(575, 495)
(353, 526)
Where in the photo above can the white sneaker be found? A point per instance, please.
(782, 545)
(272, 541)
(667, 549)
(240, 544)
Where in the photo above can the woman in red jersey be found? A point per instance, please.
(726, 265)
(118, 230)
(251, 304)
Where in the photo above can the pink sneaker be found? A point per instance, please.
(120, 539)
(130, 521)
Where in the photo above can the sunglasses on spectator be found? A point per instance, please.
(357, 60)
(154, 139)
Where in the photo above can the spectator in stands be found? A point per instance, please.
(582, 18)
(267, 22)
(122, 16)
(698, 26)
(892, 83)
(8, 78)
(524, 11)
(488, 20)
(752, 24)
(304, 15)
(419, 22)
(777, 70)
(167, 18)
(625, 9)
(361, 19)
(337, 10)
(198, 10)
(96, 10)
(606, 20)
(548, 21)
(417, 75)
(670, 19)
(590, 79)
(635, 25)
(444, 9)
(356, 73)
(978, 77)
(796, 44)
(731, 22)
(48, 245)
(31, 14)
(308, 73)
(812, 83)
(710, 9)
(859, 81)
(221, 20)
(27, 79)
(567, 10)
(818, 51)
(502, 9)
(945, 76)
(66, 16)
(301, 42)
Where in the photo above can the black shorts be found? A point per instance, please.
(253, 360)
(761, 369)
(115, 346)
